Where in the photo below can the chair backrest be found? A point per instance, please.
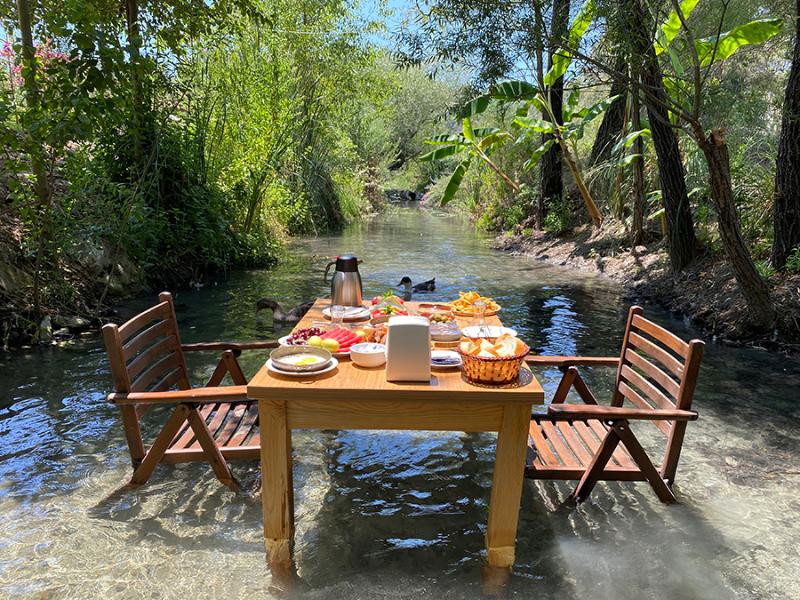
(145, 352)
(657, 369)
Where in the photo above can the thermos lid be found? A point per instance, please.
(346, 263)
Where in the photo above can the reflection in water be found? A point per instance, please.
(397, 514)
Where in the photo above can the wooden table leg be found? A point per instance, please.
(277, 495)
(509, 467)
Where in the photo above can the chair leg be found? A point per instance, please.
(564, 385)
(160, 446)
(639, 456)
(212, 452)
(592, 475)
(227, 364)
(583, 390)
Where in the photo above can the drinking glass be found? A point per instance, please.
(337, 315)
(479, 320)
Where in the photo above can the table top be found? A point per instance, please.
(349, 381)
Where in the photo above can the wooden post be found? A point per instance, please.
(277, 494)
(509, 468)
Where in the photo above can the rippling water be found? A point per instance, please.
(397, 514)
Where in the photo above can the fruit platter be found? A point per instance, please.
(336, 341)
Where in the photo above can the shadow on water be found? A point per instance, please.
(397, 514)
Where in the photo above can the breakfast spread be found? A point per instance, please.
(485, 353)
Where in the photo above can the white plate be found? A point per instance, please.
(330, 367)
(284, 341)
(492, 331)
(445, 354)
(351, 313)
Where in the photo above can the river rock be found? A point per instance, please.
(74, 323)
(45, 332)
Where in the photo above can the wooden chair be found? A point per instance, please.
(211, 424)
(656, 374)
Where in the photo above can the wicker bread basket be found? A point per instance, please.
(493, 371)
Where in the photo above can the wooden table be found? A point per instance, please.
(351, 397)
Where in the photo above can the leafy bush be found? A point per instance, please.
(793, 260)
(765, 269)
(558, 216)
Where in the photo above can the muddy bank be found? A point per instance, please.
(75, 295)
(706, 292)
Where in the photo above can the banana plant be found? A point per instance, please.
(477, 143)
(480, 143)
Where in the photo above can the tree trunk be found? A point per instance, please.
(680, 228)
(753, 287)
(550, 168)
(786, 206)
(35, 146)
(137, 95)
(613, 119)
(637, 224)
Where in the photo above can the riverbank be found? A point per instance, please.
(706, 292)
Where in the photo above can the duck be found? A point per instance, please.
(425, 286)
(283, 316)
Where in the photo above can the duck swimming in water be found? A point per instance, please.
(425, 286)
(282, 316)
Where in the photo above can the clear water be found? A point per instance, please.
(397, 514)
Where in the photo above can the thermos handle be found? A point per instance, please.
(327, 268)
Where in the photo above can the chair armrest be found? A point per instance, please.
(564, 412)
(572, 361)
(206, 395)
(229, 346)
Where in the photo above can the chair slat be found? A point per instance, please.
(664, 380)
(636, 399)
(541, 446)
(233, 423)
(558, 444)
(669, 339)
(156, 370)
(158, 312)
(251, 421)
(655, 395)
(590, 435)
(661, 355)
(170, 380)
(146, 358)
(185, 437)
(574, 442)
(145, 337)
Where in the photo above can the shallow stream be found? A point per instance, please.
(397, 514)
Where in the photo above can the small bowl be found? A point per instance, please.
(445, 332)
(281, 358)
(368, 354)
(490, 332)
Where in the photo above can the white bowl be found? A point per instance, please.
(368, 354)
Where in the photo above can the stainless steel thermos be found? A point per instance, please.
(346, 289)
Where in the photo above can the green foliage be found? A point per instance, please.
(718, 48)
(793, 260)
(563, 56)
(766, 270)
(558, 216)
(672, 26)
(205, 140)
